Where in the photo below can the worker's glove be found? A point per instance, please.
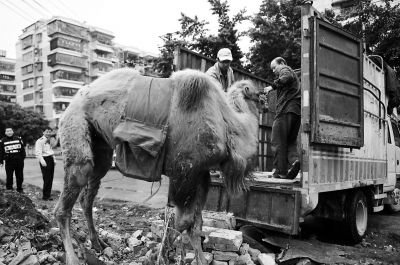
(267, 89)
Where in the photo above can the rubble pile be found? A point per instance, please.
(222, 245)
(134, 235)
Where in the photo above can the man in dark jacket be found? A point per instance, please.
(12, 151)
(287, 119)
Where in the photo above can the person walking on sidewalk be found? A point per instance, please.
(45, 155)
(12, 151)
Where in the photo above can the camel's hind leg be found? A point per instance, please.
(102, 163)
(78, 167)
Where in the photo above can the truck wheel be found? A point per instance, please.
(394, 207)
(356, 216)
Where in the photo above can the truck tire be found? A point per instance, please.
(394, 207)
(356, 216)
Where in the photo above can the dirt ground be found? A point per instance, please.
(125, 227)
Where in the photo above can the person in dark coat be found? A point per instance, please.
(12, 151)
(287, 120)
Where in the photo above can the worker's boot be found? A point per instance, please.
(294, 170)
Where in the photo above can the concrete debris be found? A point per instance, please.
(225, 256)
(244, 260)
(219, 220)
(223, 239)
(266, 259)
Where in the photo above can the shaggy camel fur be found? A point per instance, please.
(206, 129)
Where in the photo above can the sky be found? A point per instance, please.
(138, 23)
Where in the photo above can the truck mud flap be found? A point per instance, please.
(267, 207)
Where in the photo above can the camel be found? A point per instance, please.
(206, 128)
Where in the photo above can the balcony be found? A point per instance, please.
(67, 44)
(103, 47)
(60, 107)
(8, 98)
(64, 94)
(98, 72)
(59, 26)
(66, 59)
(102, 59)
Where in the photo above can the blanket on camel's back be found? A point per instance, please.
(141, 134)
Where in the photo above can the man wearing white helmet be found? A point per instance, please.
(222, 70)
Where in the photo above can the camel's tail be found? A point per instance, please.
(192, 87)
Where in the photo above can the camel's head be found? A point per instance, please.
(246, 91)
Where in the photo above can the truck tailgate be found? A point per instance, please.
(269, 203)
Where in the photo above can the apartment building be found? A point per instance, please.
(7, 79)
(57, 57)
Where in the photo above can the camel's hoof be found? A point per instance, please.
(99, 245)
(103, 244)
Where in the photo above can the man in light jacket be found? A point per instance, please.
(45, 155)
(221, 70)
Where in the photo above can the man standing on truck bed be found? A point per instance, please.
(287, 119)
(221, 70)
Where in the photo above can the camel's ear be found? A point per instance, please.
(246, 91)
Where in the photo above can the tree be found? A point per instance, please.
(27, 124)
(195, 36)
(276, 32)
(381, 31)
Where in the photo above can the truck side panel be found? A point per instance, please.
(334, 167)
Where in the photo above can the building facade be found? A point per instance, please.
(8, 92)
(57, 57)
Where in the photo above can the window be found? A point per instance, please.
(389, 136)
(8, 67)
(40, 110)
(67, 29)
(37, 52)
(64, 91)
(61, 74)
(39, 38)
(27, 69)
(7, 77)
(60, 106)
(7, 88)
(39, 66)
(66, 43)
(28, 97)
(27, 42)
(8, 98)
(28, 83)
(65, 59)
(39, 81)
(396, 134)
(27, 57)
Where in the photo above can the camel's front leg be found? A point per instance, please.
(195, 240)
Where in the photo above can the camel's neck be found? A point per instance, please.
(247, 112)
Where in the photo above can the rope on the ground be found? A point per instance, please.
(151, 193)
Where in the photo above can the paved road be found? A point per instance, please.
(114, 185)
